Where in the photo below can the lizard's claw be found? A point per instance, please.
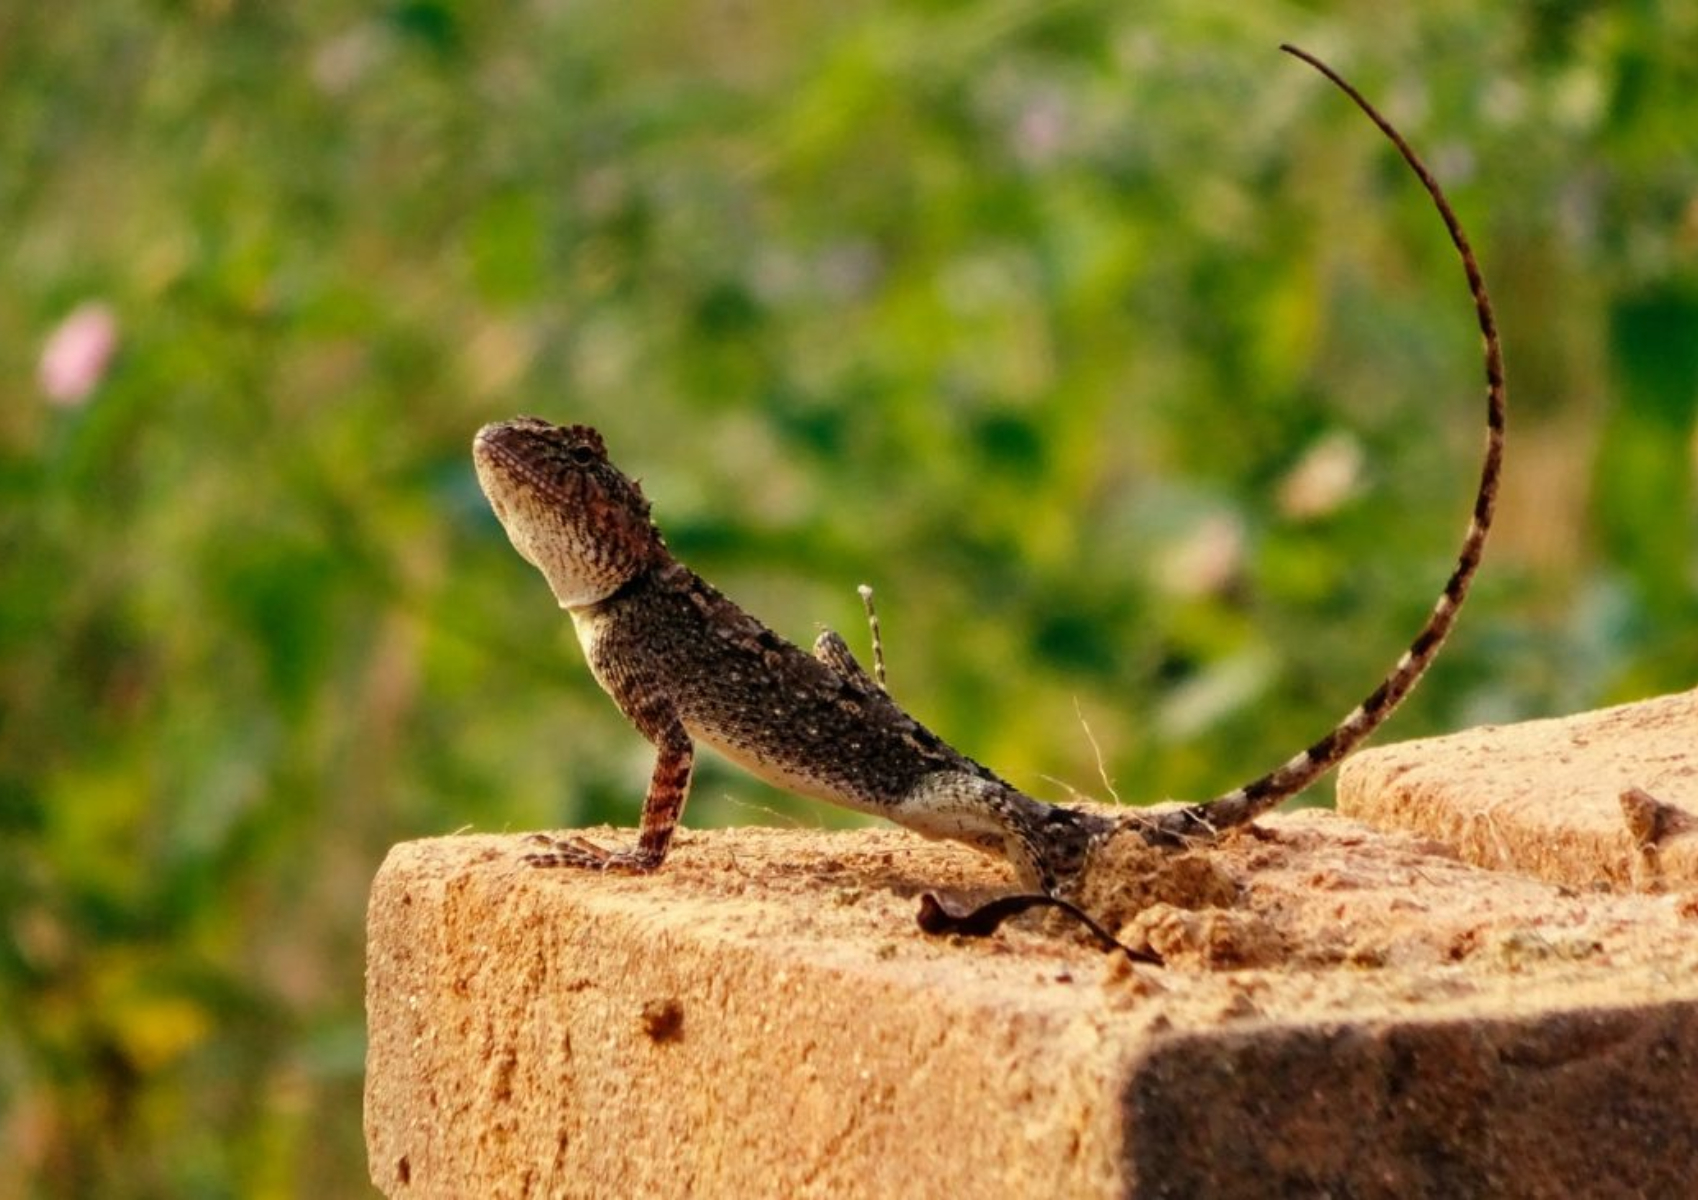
(586, 855)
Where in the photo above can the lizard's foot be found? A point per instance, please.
(586, 855)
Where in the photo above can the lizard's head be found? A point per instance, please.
(567, 510)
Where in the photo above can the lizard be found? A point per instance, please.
(687, 666)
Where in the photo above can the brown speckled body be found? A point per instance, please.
(686, 665)
(755, 697)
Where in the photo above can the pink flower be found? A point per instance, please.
(77, 353)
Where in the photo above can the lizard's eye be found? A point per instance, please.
(582, 455)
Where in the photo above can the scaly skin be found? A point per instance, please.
(685, 665)
(688, 666)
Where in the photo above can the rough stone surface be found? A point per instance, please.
(1344, 1012)
(1544, 797)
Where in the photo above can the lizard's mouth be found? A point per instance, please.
(501, 468)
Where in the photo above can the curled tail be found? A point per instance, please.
(1246, 803)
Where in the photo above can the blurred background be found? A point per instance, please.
(1115, 349)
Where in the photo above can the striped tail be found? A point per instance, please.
(1246, 803)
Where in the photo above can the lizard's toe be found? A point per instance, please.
(586, 855)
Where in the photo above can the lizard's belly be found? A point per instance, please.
(818, 776)
(941, 804)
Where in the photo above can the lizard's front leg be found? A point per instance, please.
(833, 651)
(669, 786)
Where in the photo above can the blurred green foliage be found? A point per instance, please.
(1040, 317)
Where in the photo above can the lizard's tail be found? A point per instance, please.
(1260, 795)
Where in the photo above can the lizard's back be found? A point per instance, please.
(782, 714)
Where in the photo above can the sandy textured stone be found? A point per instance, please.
(1543, 797)
(1349, 1013)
